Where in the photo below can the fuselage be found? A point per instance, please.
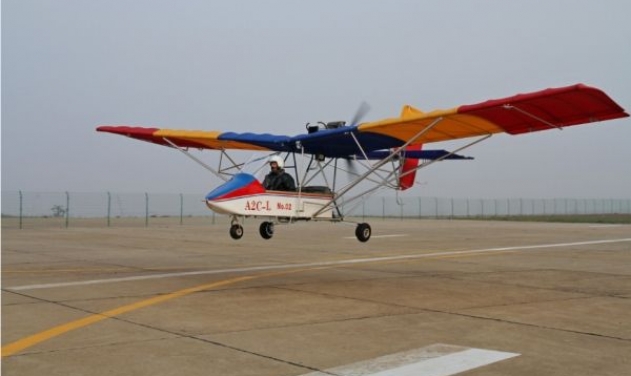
(244, 195)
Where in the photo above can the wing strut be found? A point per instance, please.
(511, 107)
(378, 165)
(236, 165)
(185, 152)
(359, 146)
(391, 175)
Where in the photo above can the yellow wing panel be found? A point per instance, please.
(208, 139)
(522, 113)
(451, 126)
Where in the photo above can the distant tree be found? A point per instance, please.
(58, 211)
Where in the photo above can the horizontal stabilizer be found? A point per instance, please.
(428, 155)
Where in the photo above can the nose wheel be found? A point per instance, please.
(363, 232)
(236, 231)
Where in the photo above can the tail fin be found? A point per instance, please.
(407, 174)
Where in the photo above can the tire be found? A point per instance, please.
(363, 232)
(236, 232)
(266, 230)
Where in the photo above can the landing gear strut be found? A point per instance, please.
(266, 230)
(363, 232)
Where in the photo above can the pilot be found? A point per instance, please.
(278, 179)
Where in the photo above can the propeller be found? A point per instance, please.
(362, 110)
(351, 167)
(351, 163)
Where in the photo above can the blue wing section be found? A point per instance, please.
(332, 143)
(265, 140)
(339, 142)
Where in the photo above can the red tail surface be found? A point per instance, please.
(407, 178)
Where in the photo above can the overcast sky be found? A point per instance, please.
(271, 66)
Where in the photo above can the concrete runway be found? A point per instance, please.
(189, 300)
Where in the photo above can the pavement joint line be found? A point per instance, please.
(312, 264)
(32, 340)
(27, 342)
(466, 312)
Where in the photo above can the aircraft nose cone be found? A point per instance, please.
(241, 184)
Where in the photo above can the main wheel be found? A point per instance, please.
(236, 231)
(363, 232)
(266, 230)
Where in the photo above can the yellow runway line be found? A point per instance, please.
(34, 339)
(24, 343)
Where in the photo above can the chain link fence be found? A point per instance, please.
(32, 209)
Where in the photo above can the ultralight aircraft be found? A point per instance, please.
(387, 151)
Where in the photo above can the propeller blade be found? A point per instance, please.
(351, 166)
(363, 109)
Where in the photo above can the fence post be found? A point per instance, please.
(436, 207)
(20, 210)
(383, 208)
(146, 209)
(109, 208)
(181, 208)
(468, 211)
(363, 209)
(67, 208)
(612, 209)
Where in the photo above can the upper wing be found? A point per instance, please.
(328, 142)
(531, 112)
(541, 110)
(198, 139)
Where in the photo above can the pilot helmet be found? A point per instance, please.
(279, 161)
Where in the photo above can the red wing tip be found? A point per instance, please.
(127, 130)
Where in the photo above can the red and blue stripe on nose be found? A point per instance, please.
(241, 184)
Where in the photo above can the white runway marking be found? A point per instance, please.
(434, 360)
(307, 265)
(604, 226)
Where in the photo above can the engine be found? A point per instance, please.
(314, 127)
